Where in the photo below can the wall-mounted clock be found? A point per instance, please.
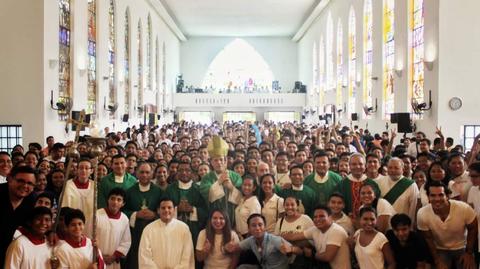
(455, 103)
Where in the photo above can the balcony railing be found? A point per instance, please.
(239, 100)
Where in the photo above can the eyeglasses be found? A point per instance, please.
(24, 182)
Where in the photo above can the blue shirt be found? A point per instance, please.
(269, 255)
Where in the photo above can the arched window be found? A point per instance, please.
(417, 50)
(352, 60)
(329, 54)
(388, 57)
(139, 68)
(367, 53)
(339, 99)
(315, 66)
(64, 87)
(157, 76)
(148, 66)
(321, 69)
(164, 68)
(239, 68)
(126, 65)
(111, 55)
(92, 58)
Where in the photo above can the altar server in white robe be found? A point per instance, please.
(167, 242)
(113, 230)
(30, 250)
(79, 193)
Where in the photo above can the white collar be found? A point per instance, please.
(319, 178)
(144, 188)
(185, 186)
(118, 179)
(297, 188)
(351, 178)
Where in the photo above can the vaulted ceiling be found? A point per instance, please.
(240, 17)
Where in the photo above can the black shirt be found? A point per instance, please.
(11, 219)
(414, 251)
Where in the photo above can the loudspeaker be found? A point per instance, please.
(125, 118)
(76, 116)
(303, 89)
(151, 119)
(394, 118)
(404, 125)
(298, 85)
(354, 116)
(158, 117)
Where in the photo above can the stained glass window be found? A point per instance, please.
(339, 98)
(417, 50)
(164, 67)
(389, 57)
(367, 53)
(329, 54)
(148, 66)
(140, 62)
(315, 66)
(92, 58)
(111, 55)
(157, 77)
(352, 60)
(321, 69)
(127, 64)
(64, 90)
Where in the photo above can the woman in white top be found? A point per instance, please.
(420, 178)
(294, 222)
(248, 205)
(272, 204)
(383, 207)
(211, 242)
(371, 247)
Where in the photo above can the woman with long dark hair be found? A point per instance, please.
(211, 242)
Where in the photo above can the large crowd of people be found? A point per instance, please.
(241, 195)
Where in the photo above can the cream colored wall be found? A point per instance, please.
(31, 29)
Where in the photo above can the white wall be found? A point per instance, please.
(32, 44)
(340, 11)
(280, 53)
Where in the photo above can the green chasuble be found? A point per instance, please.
(325, 189)
(195, 220)
(108, 183)
(136, 201)
(224, 202)
(351, 192)
(306, 197)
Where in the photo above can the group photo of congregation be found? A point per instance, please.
(235, 134)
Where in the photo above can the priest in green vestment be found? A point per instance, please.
(220, 187)
(190, 207)
(322, 181)
(119, 178)
(349, 187)
(305, 195)
(140, 207)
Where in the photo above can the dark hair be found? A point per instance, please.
(21, 170)
(454, 155)
(118, 156)
(337, 194)
(400, 219)
(475, 167)
(436, 184)
(366, 209)
(37, 212)
(445, 179)
(255, 215)
(281, 153)
(375, 201)
(45, 194)
(295, 167)
(118, 192)
(226, 231)
(73, 214)
(58, 146)
(293, 197)
(35, 145)
(324, 208)
(165, 199)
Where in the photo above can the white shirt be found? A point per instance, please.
(283, 179)
(423, 196)
(336, 236)
(217, 258)
(370, 256)
(244, 209)
(460, 186)
(75, 257)
(346, 223)
(24, 254)
(406, 203)
(166, 245)
(80, 199)
(3, 179)
(474, 199)
(451, 233)
(271, 211)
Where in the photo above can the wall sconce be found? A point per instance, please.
(371, 110)
(60, 106)
(428, 65)
(398, 68)
(398, 72)
(375, 78)
(52, 63)
(81, 64)
(110, 108)
(105, 77)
